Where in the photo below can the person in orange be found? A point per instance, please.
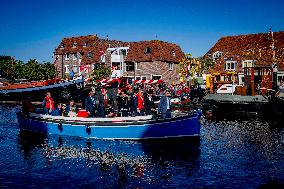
(48, 104)
(140, 102)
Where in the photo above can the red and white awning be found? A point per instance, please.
(110, 80)
(135, 81)
(147, 81)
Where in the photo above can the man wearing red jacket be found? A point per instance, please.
(140, 103)
(48, 104)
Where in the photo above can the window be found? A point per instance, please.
(74, 45)
(67, 56)
(76, 69)
(137, 66)
(66, 68)
(144, 78)
(174, 53)
(148, 50)
(75, 56)
(123, 52)
(85, 44)
(115, 65)
(138, 78)
(90, 55)
(231, 65)
(129, 66)
(217, 54)
(171, 66)
(156, 77)
(61, 46)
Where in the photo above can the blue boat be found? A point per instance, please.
(125, 128)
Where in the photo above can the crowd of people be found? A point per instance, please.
(113, 101)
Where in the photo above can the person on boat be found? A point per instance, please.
(90, 104)
(71, 107)
(123, 104)
(48, 104)
(150, 108)
(101, 105)
(58, 110)
(63, 110)
(140, 102)
(165, 105)
(132, 102)
(27, 106)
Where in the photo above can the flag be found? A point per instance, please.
(271, 32)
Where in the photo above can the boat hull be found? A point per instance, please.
(188, 126)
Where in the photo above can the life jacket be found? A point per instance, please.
(49, 103)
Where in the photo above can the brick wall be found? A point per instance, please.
(155, 68)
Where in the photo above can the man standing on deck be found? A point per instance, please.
(165, 105)
(48, 104)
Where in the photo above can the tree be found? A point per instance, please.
(100, 72)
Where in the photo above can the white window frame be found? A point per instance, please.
(141, 77)
(67, 69)
(171, 66)
(136, 66)
(229, 65)
(152, 75)
(67, 56)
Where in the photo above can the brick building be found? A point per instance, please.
(233, 53)
(140, 60)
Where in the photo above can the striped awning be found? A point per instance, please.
(147, 81)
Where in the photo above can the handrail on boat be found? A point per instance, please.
(81, 119)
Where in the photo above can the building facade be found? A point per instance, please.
(144, 60)
(235, 53)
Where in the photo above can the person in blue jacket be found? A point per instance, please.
(165, 105)
(57, 111)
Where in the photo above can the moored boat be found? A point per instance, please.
(34, 90)
(128, 128)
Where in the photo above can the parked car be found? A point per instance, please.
(227, 89)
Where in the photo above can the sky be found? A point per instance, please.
(32, 29)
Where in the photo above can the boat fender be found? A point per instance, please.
(88, 130)
(60, 127)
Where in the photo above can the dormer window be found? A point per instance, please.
(90, 55)
(148, 50)
(217, 54)
(174, 53)
(85, 44)
(61, 46)
(74, 45)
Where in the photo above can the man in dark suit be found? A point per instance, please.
(90, 104)
(165, 105)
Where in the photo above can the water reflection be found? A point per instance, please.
(29, 141)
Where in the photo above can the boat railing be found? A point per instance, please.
(83, 120)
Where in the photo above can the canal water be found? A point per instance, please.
(228, 154)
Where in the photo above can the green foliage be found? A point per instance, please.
(32, 70)
(206, 63)
(101, 72)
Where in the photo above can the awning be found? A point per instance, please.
(147, 81)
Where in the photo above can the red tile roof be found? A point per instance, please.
(85, 45)
(251, 47)
(159, 51)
